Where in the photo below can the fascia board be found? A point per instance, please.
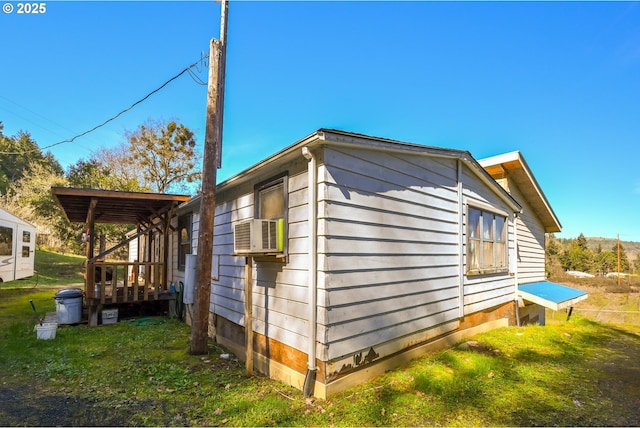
(516, 156)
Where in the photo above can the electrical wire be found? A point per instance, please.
(70, 140)
(197, 79)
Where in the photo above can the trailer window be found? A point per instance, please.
(25, 251)
(26, 236)
(6, 241)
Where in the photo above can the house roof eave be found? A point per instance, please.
(515, 164)
(333, 137)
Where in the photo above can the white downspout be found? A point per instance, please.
(312, 201)
(515, 266)
(461, 272)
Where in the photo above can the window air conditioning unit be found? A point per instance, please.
(258, 236)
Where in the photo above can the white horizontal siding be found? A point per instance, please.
(482, 292)
(531, 246)
(388, 253)
(387, 240)
(280, 291)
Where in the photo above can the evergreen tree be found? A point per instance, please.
(582, 242)
(19, 154)
(624, 261)
(578, 256)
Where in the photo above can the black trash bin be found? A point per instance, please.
(69, 305)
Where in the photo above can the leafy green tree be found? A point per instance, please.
(122, 170)
(30, 198)
(553, 251)
(578, 256)
(86, 174)
(552, 246)
(19, 153)
(606, 262)
(105, 170)
(166, 155)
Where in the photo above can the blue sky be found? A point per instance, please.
(559, 81)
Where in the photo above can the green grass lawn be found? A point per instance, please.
(560, 374)
(52, 270)
(139, 372)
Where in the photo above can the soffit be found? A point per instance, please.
(513, 167)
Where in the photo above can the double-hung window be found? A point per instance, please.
(271, 200)
(271, 205)
(184, 239)
(486, 242)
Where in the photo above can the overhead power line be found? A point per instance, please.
(72, 139)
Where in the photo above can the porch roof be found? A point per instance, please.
(551, 295)
(113, 207)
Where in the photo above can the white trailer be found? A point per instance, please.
(17, 247)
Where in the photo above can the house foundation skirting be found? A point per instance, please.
(288, 365)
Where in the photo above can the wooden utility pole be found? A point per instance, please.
(211, 162)
(618, 260)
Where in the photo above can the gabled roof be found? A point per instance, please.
(6, 215)
(332, 137)
(516, 169)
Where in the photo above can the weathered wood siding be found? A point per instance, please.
(531, 246)
(388, 247)
(486, 291)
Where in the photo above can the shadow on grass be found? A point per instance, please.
(586, 374)
(34, 407)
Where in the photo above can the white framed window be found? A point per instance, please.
(271, 200)
(486, 242)
(184, 239)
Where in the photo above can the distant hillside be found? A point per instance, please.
(632, 248)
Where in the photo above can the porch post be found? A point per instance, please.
(89, 275)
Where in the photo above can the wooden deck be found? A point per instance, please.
(120, 283)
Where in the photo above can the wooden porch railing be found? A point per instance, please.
(124, 282)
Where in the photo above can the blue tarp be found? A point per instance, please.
(551, 295)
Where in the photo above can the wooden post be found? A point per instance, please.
(618, 260)
(248, 314)
(213, 140)
(89, 271)
(136, 275)
(90, 226)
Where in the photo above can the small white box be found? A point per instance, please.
(109, 316)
